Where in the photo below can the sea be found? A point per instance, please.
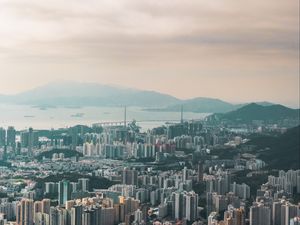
(25, 116)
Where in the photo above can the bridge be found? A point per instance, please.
(124, 122)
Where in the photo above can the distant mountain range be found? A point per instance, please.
(204, 105)
(88, 94)
(253, 111)
(91, 94)
(199, 105)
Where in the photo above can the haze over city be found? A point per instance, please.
(237, 51)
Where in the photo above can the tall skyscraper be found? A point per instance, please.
(37, 208)
(283, 211)
(212, 218)
(179, 205)
(2, 137)
(276, 213)
(184, 174)
(191, 203)
(76, 215)
(11, 137)
(83, 184)
(89, 216)
(24, 212)
(29, 139)
(234, 216)
(58, 216)
(260, 214)
(74, 137)
(46, 206)
(200, 171)
(41, 219)
(64, 192)
(129, 177)
(3, 142)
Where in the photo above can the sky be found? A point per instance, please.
(238, 51)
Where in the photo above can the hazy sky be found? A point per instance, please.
(234, 50)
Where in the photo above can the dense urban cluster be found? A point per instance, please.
(191, 172)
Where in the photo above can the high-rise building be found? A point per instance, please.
(69, 204)
(234, 216)
(129, 177)
(212, 218)
(29, 139)
(51, 187)
(8, 209)
(184, 174)
(83, 184)
(53, 216)
(260, 214)
(200, 171)
(37, 208)
(130, 205)
(185, 205)
(11, 137)
(283, 211)
(2, 137)
(41, 219)
(24, 212)
(3, 142)
(107, 216)
(46, 203)
(74, 133)
(276, 213)
(191, 201)
(138, 216)
(64, 192)
(289, 211)
(76, 215)
(58, 216)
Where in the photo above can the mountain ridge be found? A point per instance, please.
(71, 93)
(255, 112)
(87, 94)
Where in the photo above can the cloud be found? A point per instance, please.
(138, 22)
(136, 37)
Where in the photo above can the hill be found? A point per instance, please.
(253, 111)
(95, 182)
(77, 94)
(205, 105)
(282, 152)
(200, 105)
(88, 94)
(67, 153)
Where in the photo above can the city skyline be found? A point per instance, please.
(211, 49)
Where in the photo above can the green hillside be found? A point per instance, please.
(67, 153)
(282, 152)
(253, 111)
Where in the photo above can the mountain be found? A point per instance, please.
(282, 152)
(253, 111)
(263, 103)
(94, 94)
(88, 94)
(204, 105)
(200, 105)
